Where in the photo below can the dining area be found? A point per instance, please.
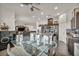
(32, 47)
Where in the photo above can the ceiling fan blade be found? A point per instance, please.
(35, 7)
(31, 3)
(31, 9)
(27, 3)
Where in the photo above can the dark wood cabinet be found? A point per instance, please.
(73, 23)
(50, 21)
(75, 19)
(70, 42)
(71, 46)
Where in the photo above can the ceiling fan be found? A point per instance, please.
(32, 6)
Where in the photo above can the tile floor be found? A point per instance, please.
(61, 51)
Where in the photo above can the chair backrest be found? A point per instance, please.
(9, 50)
(54, 44)
(16, 51)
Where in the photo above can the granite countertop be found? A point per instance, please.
(76, 39)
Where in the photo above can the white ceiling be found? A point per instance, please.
(23, 13)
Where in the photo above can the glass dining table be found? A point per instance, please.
(33, 49)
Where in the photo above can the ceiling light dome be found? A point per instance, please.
(21, 5)
(42, 13)
(56, 7)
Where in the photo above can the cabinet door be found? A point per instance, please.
(71, 46)
(50, 21)
(73, 23)
(76, 17)
(77, 20)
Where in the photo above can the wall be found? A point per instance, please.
(62, 27)
(8, 17)
(64, 23)
(24, 20)
(31, 28)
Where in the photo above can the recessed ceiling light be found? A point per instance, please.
(42, 13)
(21, 5)
(56, 7)
(33, 16)
(47, 16)
(58, 13)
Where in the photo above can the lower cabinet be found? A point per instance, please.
(70, 46)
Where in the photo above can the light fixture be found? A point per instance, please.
(58, 13)
(47, 16)
(42, 13)
(33, 16)
(56, 7)
(21, 5)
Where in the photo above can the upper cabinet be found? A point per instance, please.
(75, 19)
(50, 22)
